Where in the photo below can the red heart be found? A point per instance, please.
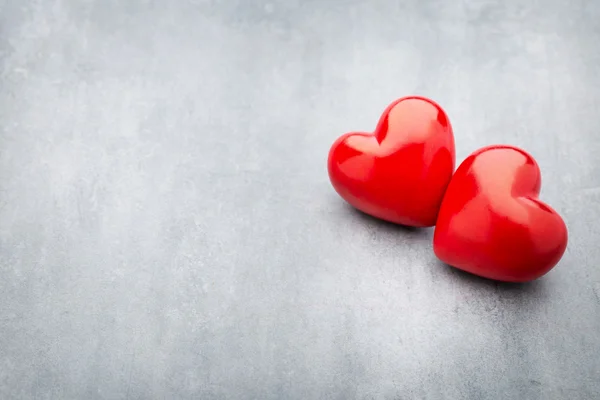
(492, 223)
(399, 172)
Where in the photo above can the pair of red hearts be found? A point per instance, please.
(487, 215)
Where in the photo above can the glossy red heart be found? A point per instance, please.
(491, 222)
(399, 172)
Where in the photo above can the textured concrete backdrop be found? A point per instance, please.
(167, 227)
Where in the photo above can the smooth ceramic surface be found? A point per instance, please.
(491, 222)
(398, 173)
(168, 229)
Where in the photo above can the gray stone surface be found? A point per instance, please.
(168, 230)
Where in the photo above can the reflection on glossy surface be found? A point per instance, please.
(398, 173)
(491, 222)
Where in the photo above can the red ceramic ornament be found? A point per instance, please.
(492, 223)
(399, 172)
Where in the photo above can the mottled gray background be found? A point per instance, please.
(168, 230)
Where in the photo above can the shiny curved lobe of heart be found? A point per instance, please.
(353, 161)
